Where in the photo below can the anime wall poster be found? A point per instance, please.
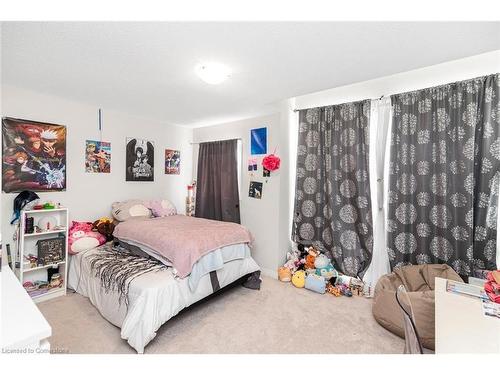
(33, 156)
(172, 161)
(139, 160)
(97, 157)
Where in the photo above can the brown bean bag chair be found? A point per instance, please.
(419, 282)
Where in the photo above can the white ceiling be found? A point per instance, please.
(147, 69)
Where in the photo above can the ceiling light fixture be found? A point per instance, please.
(213, 73)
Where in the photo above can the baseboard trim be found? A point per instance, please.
(269, 273)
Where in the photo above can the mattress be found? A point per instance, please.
(212, 261)
(153, 298)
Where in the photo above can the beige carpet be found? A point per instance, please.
(277, 319)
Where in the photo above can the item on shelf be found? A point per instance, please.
(38, 207)
(49, 206)
(55, 281)
(33, 260)
(284, 274)
(315, 283)
(51, 250)
(299, 279)
(52, 271)
(47, 223)
(29, 226)
(190, 199)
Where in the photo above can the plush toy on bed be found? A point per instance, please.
(81, 237)
(161, 208)
(123, 211)
(105, 226)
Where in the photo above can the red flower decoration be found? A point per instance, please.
(271, 162)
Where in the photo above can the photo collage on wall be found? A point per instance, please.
(258, 147)
(97, 157)
(33, 156)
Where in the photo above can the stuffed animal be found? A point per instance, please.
(333, 290)
(324, 267)
(123, 211)
(284, 274)
(299, 279)
(161, 208)
(296, 258)
(309, 261)
(81, 237)
(315, 283)
(104, 226)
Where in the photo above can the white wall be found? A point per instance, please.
(260, 216)
(89, 196)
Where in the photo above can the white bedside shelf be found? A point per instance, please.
(27, 245)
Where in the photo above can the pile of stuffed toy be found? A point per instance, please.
(307, 268)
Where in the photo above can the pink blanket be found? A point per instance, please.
(183, 240)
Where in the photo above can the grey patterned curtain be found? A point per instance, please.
(332, 196)
(444, 176)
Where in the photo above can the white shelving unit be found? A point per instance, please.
(28, 245)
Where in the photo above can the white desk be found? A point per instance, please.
(461, 326)
(23, 327)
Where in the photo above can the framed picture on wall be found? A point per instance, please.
(97, 157)
(33, 156)
(139, 161)
(258, 141)
(255, 190)
(172, 161)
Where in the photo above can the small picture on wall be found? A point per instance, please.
(266, 172)
(140, 155)
(252, 164)
(33, 156)
(97, 157)
(258, 141)
(255, 190)
(172, 161)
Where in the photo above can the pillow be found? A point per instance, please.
(161, 208)
(81, 237)
(123, 211)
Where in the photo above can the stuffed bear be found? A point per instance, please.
(81, 237)
(104, 226)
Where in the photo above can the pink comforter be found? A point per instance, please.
(183, 240)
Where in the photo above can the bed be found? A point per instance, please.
(155, 297)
